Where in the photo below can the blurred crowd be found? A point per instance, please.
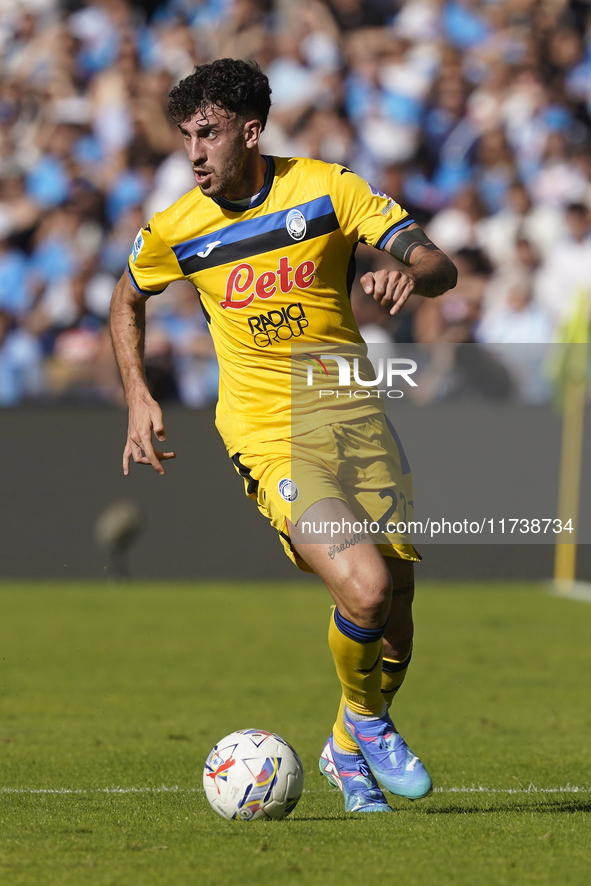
(475, 115)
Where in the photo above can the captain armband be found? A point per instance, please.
(406, 242)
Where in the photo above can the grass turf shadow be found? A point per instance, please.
(540, 807)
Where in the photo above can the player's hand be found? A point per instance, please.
(145, 417)
(390, 288)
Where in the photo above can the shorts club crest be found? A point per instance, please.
(288, 490)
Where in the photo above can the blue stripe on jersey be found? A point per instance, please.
(137, 288)
(243, 230)
(399, 226)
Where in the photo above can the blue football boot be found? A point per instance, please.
(351, 775)
(389, 757)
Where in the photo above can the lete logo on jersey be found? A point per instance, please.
(242, 278)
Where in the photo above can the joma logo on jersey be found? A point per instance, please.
(242, 280)
(279, 325)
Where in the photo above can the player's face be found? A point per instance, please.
(216, 144)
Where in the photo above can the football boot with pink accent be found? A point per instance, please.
(351, 775)
(388, 756)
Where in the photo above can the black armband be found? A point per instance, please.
(406, 242)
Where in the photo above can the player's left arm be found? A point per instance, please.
(429, 271)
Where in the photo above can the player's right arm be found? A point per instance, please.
(430, 271)
(370, 216)
(128, 325)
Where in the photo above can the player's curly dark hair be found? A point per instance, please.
(228, 83)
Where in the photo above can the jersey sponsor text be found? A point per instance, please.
(278, 325)
(242, 278)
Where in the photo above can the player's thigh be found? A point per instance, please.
(348, 562)
(286, 478)
(376, 479)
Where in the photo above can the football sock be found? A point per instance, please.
(357, 654)
(342, 740)
(393, 674)
(353, 715)
(351, 746)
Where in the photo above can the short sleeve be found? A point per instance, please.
(152, 263)
(365, 214)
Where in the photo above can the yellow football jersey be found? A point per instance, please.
(272, 274)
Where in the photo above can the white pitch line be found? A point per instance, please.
(175, 789)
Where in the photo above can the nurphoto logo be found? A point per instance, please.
(353, 377)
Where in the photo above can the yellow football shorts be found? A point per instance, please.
(361, 462)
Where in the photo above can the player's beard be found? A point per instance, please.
(227, 181)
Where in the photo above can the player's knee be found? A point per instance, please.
(368, 598)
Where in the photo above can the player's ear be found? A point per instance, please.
(252, 132)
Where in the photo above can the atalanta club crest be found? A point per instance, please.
(295, 224)
(288, 490)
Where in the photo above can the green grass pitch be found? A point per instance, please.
(129, 687)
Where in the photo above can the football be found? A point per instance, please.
(253, 774)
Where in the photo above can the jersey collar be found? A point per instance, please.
(258, 198)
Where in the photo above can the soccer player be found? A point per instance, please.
(269, 243)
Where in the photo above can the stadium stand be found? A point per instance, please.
(474, 115)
